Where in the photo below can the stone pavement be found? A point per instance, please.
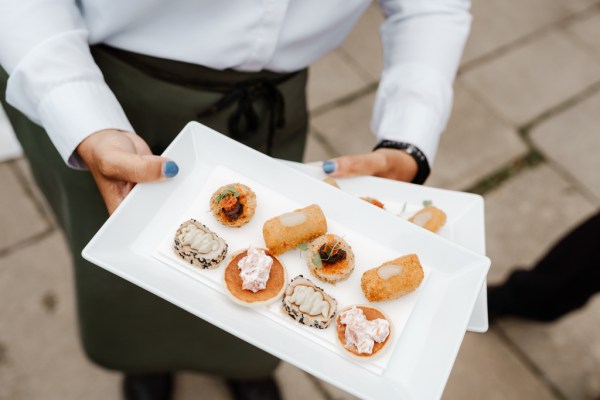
(524, 134)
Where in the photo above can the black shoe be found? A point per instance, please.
(497, 304)
(148, 386)
(254, 389)
(501, 304)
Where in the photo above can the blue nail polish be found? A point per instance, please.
(329, 167)
(170, 169)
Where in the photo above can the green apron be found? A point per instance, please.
(122, 326)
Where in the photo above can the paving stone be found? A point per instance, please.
(19, 217)
(23, 166)
(528, 81)
(363, 44)
(9, 146)
(295, 384)
(189, 386)
(332, 78)
(567, 352)
(45, 360)
(475, 144)
(572, 140)
(487, 369)
(578, 5)
(315, 150)
(497, 23)
(528, 214)
(347, 128)
(587, 30)
(336, 393)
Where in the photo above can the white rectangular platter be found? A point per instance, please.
(465, 224)
(421, 358)
(367, 251)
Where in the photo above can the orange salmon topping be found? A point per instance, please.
(228, 203)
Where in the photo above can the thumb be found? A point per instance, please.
(359, 164)
(131, 167)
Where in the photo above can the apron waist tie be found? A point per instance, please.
(243, 122)
(242, 88)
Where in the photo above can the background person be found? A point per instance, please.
(564, 279)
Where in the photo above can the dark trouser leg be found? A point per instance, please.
(563, 280)
(122, 326)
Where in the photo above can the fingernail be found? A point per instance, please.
(329, 166)
(170, 169)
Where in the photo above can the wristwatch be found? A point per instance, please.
(423, 169)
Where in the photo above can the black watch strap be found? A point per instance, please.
(423, 169)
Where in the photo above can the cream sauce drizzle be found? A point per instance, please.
(310, 301)
(196, 238)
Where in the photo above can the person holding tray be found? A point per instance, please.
(104, 86)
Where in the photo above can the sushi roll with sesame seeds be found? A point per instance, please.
(198, 245)
(308, 304)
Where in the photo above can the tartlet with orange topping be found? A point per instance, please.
(233, 204)
(330, 258)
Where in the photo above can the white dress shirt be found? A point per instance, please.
(44, 46)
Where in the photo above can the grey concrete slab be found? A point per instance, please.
(487, 369)
(24, 170)
(572, 140)
(475, 144)
(332, 78)
(189, 386)
(19, 217)
(534, 77)
(587, 30)
(336, 393)
(526, 215)
(567, 352)
(579, 5)
(42, 357)
(346, 128)
(295, 384)
(363, 44)
(497, 23)
(9, 146)
(315, 150)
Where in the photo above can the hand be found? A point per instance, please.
(385, 163)
(118, 160)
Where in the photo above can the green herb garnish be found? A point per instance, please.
(403, 210)
(228, 191)
(316, 260)
(302, 246)
(427, 203)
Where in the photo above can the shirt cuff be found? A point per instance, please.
(412, 105)
(74, 110)
(411, 122)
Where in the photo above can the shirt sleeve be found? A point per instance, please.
(53, 78)
(422, 44)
